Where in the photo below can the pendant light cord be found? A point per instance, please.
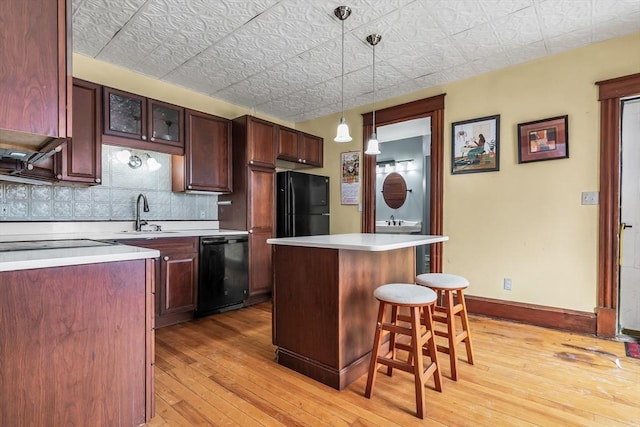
(374, 88)
(342, 74)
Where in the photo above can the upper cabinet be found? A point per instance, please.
(260, 137)
(297, 148)
(80, 160)
(35, 99)
(135, 121)
(206, 164)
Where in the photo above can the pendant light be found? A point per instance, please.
(373, 147)
(342, 134)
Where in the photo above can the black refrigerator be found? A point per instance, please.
(303, 204)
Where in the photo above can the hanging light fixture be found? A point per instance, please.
(373, 147)
(342, 134)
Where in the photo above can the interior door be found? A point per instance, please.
(629, 292)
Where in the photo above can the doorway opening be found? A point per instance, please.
(433, 109)
(629, 286)
(403, 170)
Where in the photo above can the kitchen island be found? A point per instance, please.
(76, 333)
(324, 312)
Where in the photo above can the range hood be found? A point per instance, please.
(27, 147)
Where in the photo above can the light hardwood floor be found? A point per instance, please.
(220, 370)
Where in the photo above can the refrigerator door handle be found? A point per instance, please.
(326, 214)
(292, 208)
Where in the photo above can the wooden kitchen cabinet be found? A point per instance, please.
(134, 121)
(311, 149)
(80, 160)
(251, 206)
(206, 164)
(176, 277)
(299, 148)
(259, 140)
(35, 100)
(77, 345)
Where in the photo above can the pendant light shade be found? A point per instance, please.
(373, 147)
(342, 133)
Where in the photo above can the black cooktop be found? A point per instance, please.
(50, 244)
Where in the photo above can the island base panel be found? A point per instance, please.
(324, 309)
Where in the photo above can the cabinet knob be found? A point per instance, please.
(251, 161)
(144, 137)
(250, 231)
(59, 176)
(166, 258)
(30, 166)
(152, 139)
(189, 187)
(98, 180)
(304, 161)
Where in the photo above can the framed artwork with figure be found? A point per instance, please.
(475, 145)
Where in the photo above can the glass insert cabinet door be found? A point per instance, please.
(125, 114)
(134, 117)
(166, 123)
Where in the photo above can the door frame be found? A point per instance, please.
(610, 94)
(432, 107)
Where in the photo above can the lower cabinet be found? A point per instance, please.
(77, 345)
(260, 269)
(176, 277)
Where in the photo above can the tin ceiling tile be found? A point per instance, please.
(283, 57)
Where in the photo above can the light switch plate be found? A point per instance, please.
(589, 197)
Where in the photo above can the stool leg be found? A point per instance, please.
(451, 332)
(465, 326)
(432, 350)
(392, 338)
(373, 363)
(418, 367)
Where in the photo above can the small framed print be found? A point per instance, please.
(546, 139)
(475, 145)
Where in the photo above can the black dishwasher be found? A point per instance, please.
(223, 279)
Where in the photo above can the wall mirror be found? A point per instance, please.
(394, 190)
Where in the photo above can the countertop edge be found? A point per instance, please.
(331, 241)
(61, 258)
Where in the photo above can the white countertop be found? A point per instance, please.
(360, 241)
(107, 230)
(43, 258)
(99, 231)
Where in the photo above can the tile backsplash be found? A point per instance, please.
(114, 199)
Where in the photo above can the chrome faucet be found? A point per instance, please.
(140, 223)
(392, 220)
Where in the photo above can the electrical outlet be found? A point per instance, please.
(589, 197)
(507, 284)
(4, 210)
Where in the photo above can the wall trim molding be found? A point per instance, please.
(538, 315)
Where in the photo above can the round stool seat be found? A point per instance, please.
(442, 281)
(405, 294)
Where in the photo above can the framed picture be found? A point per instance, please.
(475, 145)
(350, 178)
(546, 139)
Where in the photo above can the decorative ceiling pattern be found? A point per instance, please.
(283, 57)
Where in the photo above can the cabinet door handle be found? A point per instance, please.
(166, 258)
(98, 180)
(144, 137)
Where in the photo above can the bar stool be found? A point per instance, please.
(420, 301)
(445, 312)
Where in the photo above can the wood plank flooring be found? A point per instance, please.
(221, 370)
